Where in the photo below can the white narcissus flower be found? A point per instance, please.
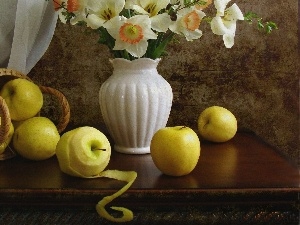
(173, 2)
(130, 3)
(220, 6)
(57, 4)
(131, 34)
(187, 23)
(101, 11)
(77, 7)
(159, 22)
(225, 21)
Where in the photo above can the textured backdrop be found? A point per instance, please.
(257, 79)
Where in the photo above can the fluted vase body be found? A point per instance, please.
(135, 102)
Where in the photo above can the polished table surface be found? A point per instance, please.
(244, 169)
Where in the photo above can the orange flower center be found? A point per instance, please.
(191, 21)
(73, 5)
(57, 4)
(131, 33)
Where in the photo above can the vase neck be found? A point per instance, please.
(137, 64)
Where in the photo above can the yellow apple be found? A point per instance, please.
(83, 152)
(24, 99)
(36, 138)
(217, 124)
(175, 150)
(8, 140)
(62, 154)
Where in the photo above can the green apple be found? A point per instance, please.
(36, 138)
(8, 140)
(24, 99)
(83, 152)
(62, 154)
(217, 124)
(175, 150)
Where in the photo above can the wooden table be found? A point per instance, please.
(242, 171)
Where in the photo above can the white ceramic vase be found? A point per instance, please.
(135, 102)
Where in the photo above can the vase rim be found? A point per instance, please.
(131, 61)
(134, 64)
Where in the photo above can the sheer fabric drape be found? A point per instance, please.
(26, 30)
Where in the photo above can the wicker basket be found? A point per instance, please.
(9, 74)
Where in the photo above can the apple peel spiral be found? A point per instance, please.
(85, 152)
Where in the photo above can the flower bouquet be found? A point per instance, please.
(143, 28)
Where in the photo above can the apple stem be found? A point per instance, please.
(102, 149)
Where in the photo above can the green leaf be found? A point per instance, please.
(105, 38)
(260, 24)
(268, 26)
(158, 50)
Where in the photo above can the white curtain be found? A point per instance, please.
(26, 30)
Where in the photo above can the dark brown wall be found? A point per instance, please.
(257, 79)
